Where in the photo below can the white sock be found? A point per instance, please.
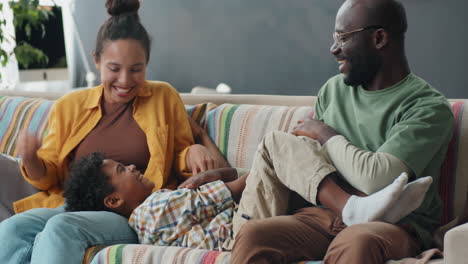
(365, 209)
(410, 199)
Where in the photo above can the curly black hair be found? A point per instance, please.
(87, 185)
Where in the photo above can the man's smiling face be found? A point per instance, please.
(358, 59)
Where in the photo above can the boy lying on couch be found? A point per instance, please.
(197, 218)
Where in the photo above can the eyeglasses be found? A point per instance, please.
(340, 38)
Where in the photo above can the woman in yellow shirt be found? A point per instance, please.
(129, 119)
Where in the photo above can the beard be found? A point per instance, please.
(362, 69)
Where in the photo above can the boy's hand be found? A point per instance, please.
(201, 178)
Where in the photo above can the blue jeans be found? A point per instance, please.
(46, 235)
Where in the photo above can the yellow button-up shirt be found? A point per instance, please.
(157, 109)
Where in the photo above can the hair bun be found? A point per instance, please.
(119, 7)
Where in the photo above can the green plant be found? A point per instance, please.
(3, 54)
(27, 55)
(28, 16)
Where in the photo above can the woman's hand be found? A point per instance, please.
(202, 138)
(200, 159)
(27, 146)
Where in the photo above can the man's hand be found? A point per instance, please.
(200, 159)
(314, 129)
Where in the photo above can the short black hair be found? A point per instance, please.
(391, 14)
(86, 185)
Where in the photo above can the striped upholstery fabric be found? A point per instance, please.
(198, 112)
(448, 170)
(144, 254)
(136, 254)
(17, 113)
(238, 129)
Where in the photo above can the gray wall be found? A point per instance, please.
(277, 46)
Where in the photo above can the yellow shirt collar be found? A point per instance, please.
(95, 95)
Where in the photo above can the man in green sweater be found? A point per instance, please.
(372, 122)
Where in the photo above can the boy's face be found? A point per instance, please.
(130, 187)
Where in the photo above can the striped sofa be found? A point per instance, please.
(237, 123)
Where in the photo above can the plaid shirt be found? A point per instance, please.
(198, 218)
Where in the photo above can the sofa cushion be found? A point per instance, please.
(448, 171)
(17, 113)
(144, 254)
(238, 129)
(16, 187)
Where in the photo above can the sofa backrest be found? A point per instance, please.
(238, 128)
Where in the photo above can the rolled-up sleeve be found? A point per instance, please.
(366, 171)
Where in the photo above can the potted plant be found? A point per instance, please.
(27, 15)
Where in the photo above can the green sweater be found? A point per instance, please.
(410, 120)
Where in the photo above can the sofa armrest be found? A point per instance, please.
(12, 185)
(455, 242)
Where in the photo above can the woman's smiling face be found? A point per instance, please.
(122, 65)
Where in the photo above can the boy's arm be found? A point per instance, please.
(237, 187)
(223, 174)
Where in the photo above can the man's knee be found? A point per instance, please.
(271, 138)
(276, 140)
(261, 234)
(253, 233)
(255, 243)
(355, 244)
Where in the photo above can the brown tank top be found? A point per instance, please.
(118, 136)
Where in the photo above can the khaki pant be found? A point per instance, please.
(285, 163)
(282, 163)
